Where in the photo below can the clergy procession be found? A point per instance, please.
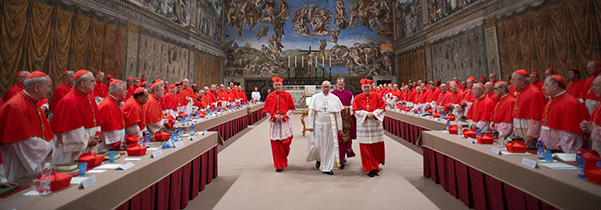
(87, 114)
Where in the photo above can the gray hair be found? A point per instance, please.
(341, 78)
(559, 84)
(67, 74)
(82, 78)
(504, 86)
(325, 82)
(116, 87)
(29, 83)
(526, 79)
(152, 90)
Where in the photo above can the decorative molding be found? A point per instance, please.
(133, 27)
(446, 21)
(509, 8)
(416, 44)
(456, 30)
(490, 22)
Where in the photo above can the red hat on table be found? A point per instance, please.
(139, 90)
(558, 78)
(114, 82)
(522, 73)
(36, 74)
(79, 74)
(366, 82)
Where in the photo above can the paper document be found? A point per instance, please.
(566, 156)
(557, 165)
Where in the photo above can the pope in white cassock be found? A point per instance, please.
(325, 122)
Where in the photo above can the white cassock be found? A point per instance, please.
(23, 158)
(70, 144)
(324, 117)
(256, 96)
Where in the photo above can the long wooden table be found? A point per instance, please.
(409, 126)
(484, 180)
(166, 182)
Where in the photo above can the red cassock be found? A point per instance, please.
(231, 96)
(596, 117)
(242, 95)
(538, 84)
(169, 102)
(213, 95)
(361, 102)
(457, 97)
(411, 95)
(133, 112)
(576, 88)
(529, 103)
(503, 111)
(493, 97)
(180, 98)
(512, 92)
(481, 109)
(101, 89)
(564, 112)
(110, 115)
(206, 99)
(279, 103)
(12, 91)
(425, 96)
(185, 92)
(130, 91)
(403, 96)
(59, 93)
(23, 119)
(434, 95)
(153, 110)
(75, 110)
(469, 96)
(588, 90)
(223, 95)
(444, 99)
(418, 98)
(1, 102)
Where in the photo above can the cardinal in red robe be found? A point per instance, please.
(76, 121)
(62, 89)
(593, 127)
(444, 98)
(502, 115)
(25, 134)
(113, 124)
(101, 90)
(279, 107)
(370, 111)
(576, 87)
(534, 79)
(133, 112)
(528, 110)
(18, 87)
(152, 109)
(170, 107)
(560, 124)
(481, 110)
(591, 100)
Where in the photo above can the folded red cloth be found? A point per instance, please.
(136, 150)
(453, 129)
(450, 117)
(57, 181)
(131, 139)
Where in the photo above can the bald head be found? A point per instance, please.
(597, 86)
(21, 77)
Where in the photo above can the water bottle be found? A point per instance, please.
(192, 133)
(478, 132)
(540, 151)
(147, 140)
(448, 124)
(580, 162)
(45, 180)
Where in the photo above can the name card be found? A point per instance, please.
(529, 163)
(471, 140)
(178, 144)
(156, 154)
(496, 150)
(126, 166)
(87, 182)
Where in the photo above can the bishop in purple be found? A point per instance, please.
(345, 144)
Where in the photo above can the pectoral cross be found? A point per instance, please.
(325, 109)
(367, 104)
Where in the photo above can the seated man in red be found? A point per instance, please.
(481, 110)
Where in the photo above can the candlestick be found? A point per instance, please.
(302, 61)
(295, 63)
(323, 61)
(330, 61)
(288, 61)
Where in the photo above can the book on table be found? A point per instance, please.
(67, 166)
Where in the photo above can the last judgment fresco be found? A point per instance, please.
(314, 37)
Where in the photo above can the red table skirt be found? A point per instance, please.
(474, 188)
(174, 191)
(232, 127)
(402, 129)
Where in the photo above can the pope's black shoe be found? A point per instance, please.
(372, 173)
(279, 170)
(329, 173)
(317, 164)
